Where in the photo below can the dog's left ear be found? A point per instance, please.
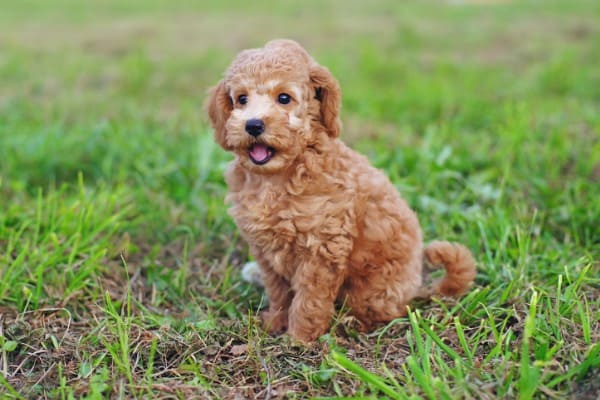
(219, 106)
(327, 91)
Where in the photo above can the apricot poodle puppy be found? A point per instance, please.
(324, 225)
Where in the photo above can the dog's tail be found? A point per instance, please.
(459, 265)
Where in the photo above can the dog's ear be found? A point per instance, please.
(219, 106)
(327, 91)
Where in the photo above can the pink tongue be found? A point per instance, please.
(259, 152)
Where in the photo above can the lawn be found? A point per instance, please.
(119, 265)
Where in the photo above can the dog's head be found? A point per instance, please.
(272, 103)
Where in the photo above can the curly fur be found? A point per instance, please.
(322, 223)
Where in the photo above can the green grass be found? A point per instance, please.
(119, 266)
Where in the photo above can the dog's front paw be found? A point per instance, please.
(274, 322)
(304, 336)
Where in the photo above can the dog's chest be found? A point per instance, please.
(275, 221)
(259, 212)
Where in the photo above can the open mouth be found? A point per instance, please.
(260, 153)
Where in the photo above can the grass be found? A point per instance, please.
(119, 266)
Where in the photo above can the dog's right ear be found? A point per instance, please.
(219, 108)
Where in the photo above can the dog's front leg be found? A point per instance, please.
(275, 319)
(315, 287)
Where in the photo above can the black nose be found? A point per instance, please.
(255, 127)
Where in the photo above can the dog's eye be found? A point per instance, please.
(284, 98)
(242, 99)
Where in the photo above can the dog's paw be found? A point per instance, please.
(304, 336)
(274, 322)
(251, 273)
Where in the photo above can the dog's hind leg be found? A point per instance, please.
(381, 295)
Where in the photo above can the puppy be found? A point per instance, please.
(323, 225)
